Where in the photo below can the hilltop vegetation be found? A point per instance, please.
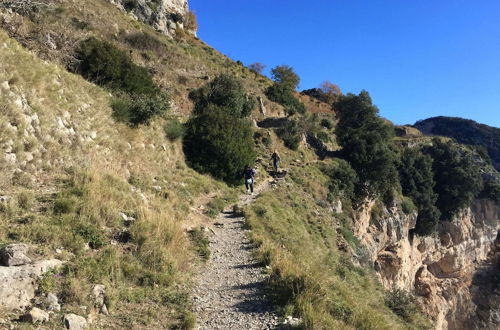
(465, 131)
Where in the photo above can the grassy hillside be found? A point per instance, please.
(71, 173)
(465, 131)
(113, 201)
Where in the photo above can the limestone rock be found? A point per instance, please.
(18, 284)
(14, 255)
(75, 322)
(99, 293)
(36, 315)
(52, 303)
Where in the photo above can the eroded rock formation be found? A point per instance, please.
(439, 269)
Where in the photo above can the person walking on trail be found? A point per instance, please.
(249, 175)
(276, 161)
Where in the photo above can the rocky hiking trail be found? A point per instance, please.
(229, 288)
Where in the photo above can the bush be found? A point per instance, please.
(64, 205)
(417, 181)
(25, 199)
(285, 75)
(283, 95)
(145, 41)
(174, 130)
(407, 205)
(223, 92)
(491, 190)
(458, 178)
(366, 144)
(91, 235)
(106, 65)
(402, 303)
(326, 123)
(200, 242)
(290, 134)
(343, 179)
(138, 109)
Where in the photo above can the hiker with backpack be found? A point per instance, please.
(249, 175)
(276, 161)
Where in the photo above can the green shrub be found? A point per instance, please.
(25, 199)
(174, 130)
(323, 136)
(326, 123)
(145, 41)
(284, 95)
(92, 235)
(407, 205)
(130, 5)
(214, 207)
(138, 109)
(106, 65)
(223, 92)
(64, 205)
(491, 190)
(402, 303)
(285, 75)
(366, 144)
(218, 137)
(458, 178)
(201, 243)
(343, 179)
(290, 134)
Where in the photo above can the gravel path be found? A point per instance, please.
(229, 289)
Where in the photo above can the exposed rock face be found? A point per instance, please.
(164, 15)
(18, 284)
(14, 255)
(439, 269)
(75, 322)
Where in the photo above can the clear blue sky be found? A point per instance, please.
(417, 58)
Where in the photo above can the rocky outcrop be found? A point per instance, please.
(18, 284)
(439, 269)
(165, 16)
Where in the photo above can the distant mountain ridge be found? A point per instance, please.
(464, 131)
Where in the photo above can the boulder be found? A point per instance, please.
(18, 284)
(52, 303)
(99, 293)
(14, 255)
(75, 322)
(36, 315)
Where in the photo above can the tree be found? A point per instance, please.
(219, 138)
(257, 67)
(285, 75)
(365, 139)
(458, 178)
(330, 91)
(417, 182)
(224, 92)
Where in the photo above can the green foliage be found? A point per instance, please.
(491, 190)
(458, 179)
(145, 41)
(290, 134)
(25, 199)
(223, 92)
(407, 205)
(285, 75)
(138, 109)
(326, 123)
(174, 130)
(219, 143)
(64, 205)
(106, 65)
(402, 303)
(282, 94)
(365, 139)
(465, 131)
(92, 235)
(200, 242)
(417, 182)
(343, 180)
(214, 207)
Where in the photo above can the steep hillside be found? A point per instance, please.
(104, 222)
(465, 131)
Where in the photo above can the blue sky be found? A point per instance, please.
(418, 59)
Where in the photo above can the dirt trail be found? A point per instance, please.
(229, 289)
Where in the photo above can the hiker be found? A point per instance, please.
(276, 161)
(249, 174)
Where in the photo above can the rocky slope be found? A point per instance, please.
(165, 16)
(439, 269)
